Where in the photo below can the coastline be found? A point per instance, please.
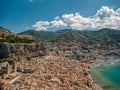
(97, 64)
(93, 65)
(97, 86)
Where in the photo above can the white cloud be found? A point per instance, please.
(41, 25)
(105, 13)
(57, 18)
(58, 23)
(76, 21)
(104, 18)
(107, 18)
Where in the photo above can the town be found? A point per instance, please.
(64, 67)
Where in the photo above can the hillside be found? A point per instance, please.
(39, 35)
(71, 36)
(4, 32)
(103, 36)
(7, 36)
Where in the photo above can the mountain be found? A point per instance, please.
(39, 35)
(64, 30)
(71, 36)
(109, 35)
(7, 36)
(102, 36)
(65, 35)
(5, 32)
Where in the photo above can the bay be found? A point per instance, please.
(107, 75)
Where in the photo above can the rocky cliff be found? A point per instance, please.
(15, 49)
(5, 32)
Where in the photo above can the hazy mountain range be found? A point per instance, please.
(102, 36)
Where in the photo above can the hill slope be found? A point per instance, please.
(71, 36)
(5, 32)
(7, 36)
(103, 36)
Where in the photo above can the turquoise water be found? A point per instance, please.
(107, 75)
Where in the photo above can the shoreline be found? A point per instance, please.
(97, 64)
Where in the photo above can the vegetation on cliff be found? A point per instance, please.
(7, 36)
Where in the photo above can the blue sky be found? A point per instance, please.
(20, 15)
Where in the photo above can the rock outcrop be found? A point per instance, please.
(4, 32)
(15, 49)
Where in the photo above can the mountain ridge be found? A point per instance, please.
(102, 36)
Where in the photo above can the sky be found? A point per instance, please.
(43, 15)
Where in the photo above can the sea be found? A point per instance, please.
(107, 75)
